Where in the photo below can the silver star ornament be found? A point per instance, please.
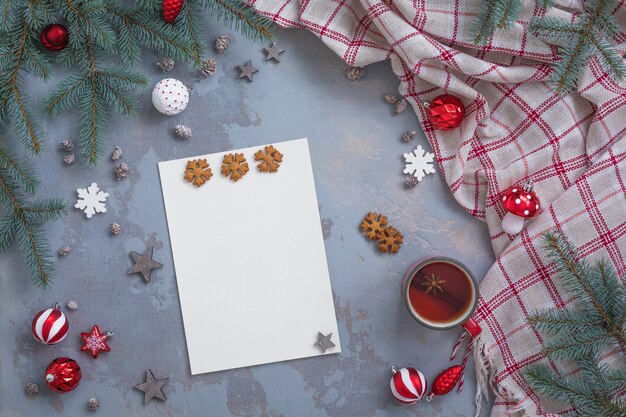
(324, 341)
(152, 388)
(144, 264)
(247, 70)
(273, 52)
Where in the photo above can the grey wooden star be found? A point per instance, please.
(152, 388)
(273, 52)
(144, 264)
(247, 70)
(324, 341)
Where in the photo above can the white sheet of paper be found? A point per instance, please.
(250, 262)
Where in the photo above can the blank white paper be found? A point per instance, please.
(250, 262)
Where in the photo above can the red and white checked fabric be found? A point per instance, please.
(516, 128)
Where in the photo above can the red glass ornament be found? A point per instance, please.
(171, 10)
(95, 341)
(408, 385)
(55, 37)
(63, 374)
(445, 381)
(446, 112)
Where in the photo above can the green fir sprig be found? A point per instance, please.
(101, 32)
(591, 34)
(595, 325)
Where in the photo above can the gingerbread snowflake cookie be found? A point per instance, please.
(234, 166)
(270, 159)
(375, 227)
(198, 172)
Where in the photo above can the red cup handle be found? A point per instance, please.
(472, 327)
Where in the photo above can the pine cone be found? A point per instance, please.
(72, 305)
(65, 250)
(355, 73)
(117, 153)
(121, 171)
(390, 98)
(222, 43)
(208, 67)
(400, 106)
(69, 159)
(67, 145)
(408, 135)
(116, 229)
(32, 388)
(166, 64)
(93, 404)
(183, 131)
(411, 181)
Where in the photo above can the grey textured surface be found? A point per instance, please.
(357, 159)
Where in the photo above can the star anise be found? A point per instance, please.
(433, 282)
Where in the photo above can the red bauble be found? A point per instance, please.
(446, 112)
(445, 381)
(95, 341)
(63, 374)
(171, 9)
(55, 37)
(408, 385)
(50, 326)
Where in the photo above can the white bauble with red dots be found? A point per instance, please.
(170, 96)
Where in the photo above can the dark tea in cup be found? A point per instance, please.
(440, 292)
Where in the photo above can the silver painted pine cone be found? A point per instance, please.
(121, 171)
(116, 229)
(400, 106)
(408, 135)
(32, 388)
(222, 43)
(117, 153)
(390, 98)
(208, 67)
(65, 250)
(411, 181)
(166, 64)
(183, 131)
(93, 404)
(69, 159)
(355, 73)
(72, 305)
(67, 145)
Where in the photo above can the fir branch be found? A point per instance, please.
(580, 336)
(148, 28)
(237, 14)
(188, 23)
(22, 227)
(18, 172)
(493, 14)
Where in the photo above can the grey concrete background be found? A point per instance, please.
(357, 160)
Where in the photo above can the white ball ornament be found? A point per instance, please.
(170, 96)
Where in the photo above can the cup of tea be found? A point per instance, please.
(441, 293)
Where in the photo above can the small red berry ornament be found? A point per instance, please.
(408, 385)
(171, 10)
(95, 341)
(445, 381)
(55, 37)
(446, 112)
(63, 374)
(520, 202)
(50, 326)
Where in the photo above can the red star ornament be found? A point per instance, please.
(95, 341)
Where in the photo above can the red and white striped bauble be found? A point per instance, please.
(408, 385)
(50, 326)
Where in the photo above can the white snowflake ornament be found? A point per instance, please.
(91, 200)
(170, 96)
(419, 163)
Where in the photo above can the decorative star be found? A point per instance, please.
(433, 282)
(273, 52)
(144, 264)
(152, 388)
(324, 341)
(95, 341)
(247, 70)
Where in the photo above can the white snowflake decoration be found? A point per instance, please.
(91, 200)
(419, 163)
